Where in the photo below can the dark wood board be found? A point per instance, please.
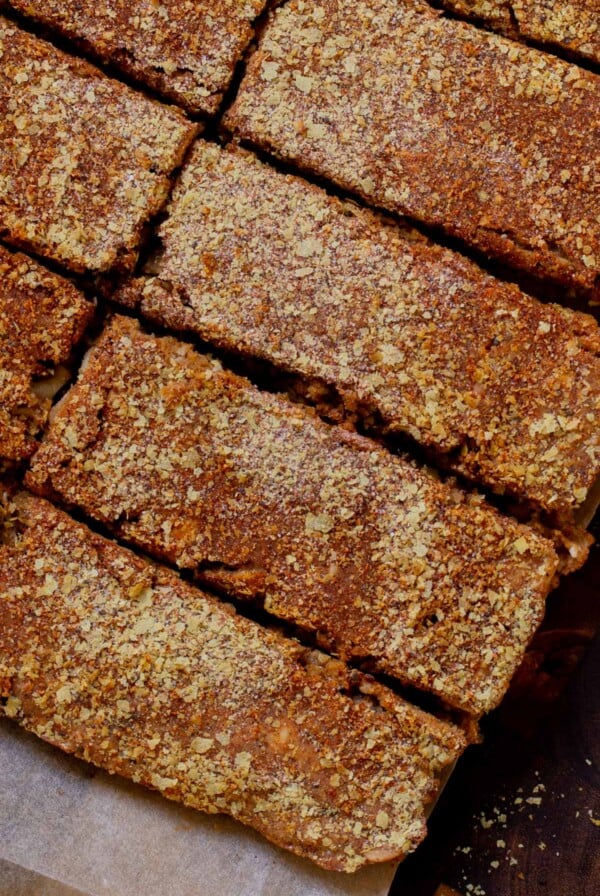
(521, 814)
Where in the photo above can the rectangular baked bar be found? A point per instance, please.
(185, 50)
(120, 662)
(261, 499)
(571, 25)
(42, 316)
(499, 386)
(492, 141)
(84, 160)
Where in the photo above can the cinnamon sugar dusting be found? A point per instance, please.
(329, 530)
(492, 141)
(41, 317)
(84, 160)
(120, 662)
(499, 386)
(186, 50)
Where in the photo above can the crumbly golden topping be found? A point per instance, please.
(120, 662)
(262, 499)
(490, 140)
(502, 387)
(84, 160)
(186, 49)
(572, 25)
(41, 317)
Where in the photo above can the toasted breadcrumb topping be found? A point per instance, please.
(186, 50)
(120, 662)
(262, 499)
(84, 160)
(572, 25)
(41, 317)
(492, 141)
(503, 388)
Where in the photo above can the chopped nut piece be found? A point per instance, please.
(197, 702)
(186, 49)
(41, 317)
(394, 566)
(499, 386)
(84, 160)
(572, 25)
(438, 120)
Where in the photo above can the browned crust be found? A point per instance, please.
(490, 140)
(571, 25)
(261, 499)
(41, 317)
(501, 387)
(84, 160)
(185, 50)
(118, 661)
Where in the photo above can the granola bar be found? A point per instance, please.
(263, 500)
(84, 160)
(494, 142)
(499, 386)
(185, 50)
(570, 25)
(41, 317)
(120, 662)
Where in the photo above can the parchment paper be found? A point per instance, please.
(18, 881)
(102, 835)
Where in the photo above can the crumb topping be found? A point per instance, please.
(573, 25)
(263, 500)
(120, 662)
(84, 160)
(186, 50)
(41, 317)
(493, 141)
(503, 388)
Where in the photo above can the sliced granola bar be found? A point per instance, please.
(263, 500)
(120, 662)
(186, 49)
(84, 160)
(492, 141)
(571, 25)
(41, 317)
(497, 385)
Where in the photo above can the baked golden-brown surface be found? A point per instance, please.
(366, 554)
(572, 25)
(118, 661)
(84, 160)
(186, 50)
(330, 531)
(41, 317)
(501, 387)
(492, 141)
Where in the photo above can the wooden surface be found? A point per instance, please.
(521, 815)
